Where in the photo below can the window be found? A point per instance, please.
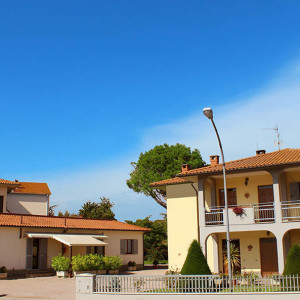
(100, 250)
(1, 204)
(231, 197)
(129, 246)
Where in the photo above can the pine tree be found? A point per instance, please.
(195, 262)
(292, 265)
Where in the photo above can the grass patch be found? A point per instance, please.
(160, 262)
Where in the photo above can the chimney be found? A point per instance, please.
(214, 160)
(185, 167)
(259, 152)
(16, 180)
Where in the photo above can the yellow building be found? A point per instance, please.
(264, 211)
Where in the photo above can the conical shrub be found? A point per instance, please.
(195, 262)
(292, 265)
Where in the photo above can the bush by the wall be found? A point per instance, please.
(60, 263)
(292, 265)
(112, 262)
(195, 262)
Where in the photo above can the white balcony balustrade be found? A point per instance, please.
(291, 211)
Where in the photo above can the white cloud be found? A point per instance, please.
(240, 125)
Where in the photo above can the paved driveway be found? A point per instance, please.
(49, 287)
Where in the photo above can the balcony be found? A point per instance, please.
(290, 211)
(251, 214)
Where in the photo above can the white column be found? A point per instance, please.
(276, 191)
(215, 253)
(280, 253)
(201, 212)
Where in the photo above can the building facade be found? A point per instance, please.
(264, 211)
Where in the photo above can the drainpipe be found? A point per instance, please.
(197, 204)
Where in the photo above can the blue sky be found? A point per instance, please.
(85, 86)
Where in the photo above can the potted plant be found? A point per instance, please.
(112, 264)
(3, 272)
(155, 263)
(131, 266)
(98, 264)
(61, 265)
(239, 211)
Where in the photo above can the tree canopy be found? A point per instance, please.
(292, 265)
(101, 210)
(155, 241)
(161, 162)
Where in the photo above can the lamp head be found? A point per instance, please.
(208, 112)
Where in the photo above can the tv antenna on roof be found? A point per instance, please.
(279, 142)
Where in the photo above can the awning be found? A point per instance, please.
(72, 239)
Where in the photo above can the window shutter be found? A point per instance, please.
(88, 250)
(43, 243)
(294, 190)
(29, 245)
(135, 247)
(122, 250)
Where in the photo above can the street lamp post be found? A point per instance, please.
(209, 114)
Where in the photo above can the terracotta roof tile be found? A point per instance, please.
(32, 188)
(62, 222)
(175, 180)
(3, 181)
(282, 157)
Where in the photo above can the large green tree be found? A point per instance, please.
(161, 162)
(155, 241)
(101, 210)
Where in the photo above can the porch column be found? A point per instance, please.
(215, 253)
(201, 212)
(280, 253)
(276, 191)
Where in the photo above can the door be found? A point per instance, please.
(235, 256)
(268, 256)
(231, 197)
(1, 204)
(265, 197)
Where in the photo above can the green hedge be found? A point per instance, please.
(60, 263)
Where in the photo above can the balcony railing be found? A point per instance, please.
(291, 211)
(252, 213)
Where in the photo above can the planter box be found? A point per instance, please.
(85, 272)
(3, 275)
(113, 272)
(101, 272)
(62, 274)
(131, 268)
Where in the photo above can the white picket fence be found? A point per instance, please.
(182, 284)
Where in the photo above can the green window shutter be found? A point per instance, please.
(43, 244)
(29, 244)
(122, 246)
(135, 247)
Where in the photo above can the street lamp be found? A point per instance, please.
(208, 112)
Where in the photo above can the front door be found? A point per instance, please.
(268, 256)
(265, 197)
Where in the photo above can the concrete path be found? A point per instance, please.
(49, 287)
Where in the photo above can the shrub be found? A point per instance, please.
(3, 269)
(292, 265)
(195, 262)
(131, 264)
(87, 262)
(112, 262)
(60, 263)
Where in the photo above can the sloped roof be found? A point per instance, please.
(170, 181)
(286, 157)
(3, 181)
(63, 222)
(278, 158)
(32, 188)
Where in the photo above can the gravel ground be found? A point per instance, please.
(49, 287)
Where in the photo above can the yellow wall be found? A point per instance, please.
(182, 222)
(293, 176)
(242, 189)
(250, 260)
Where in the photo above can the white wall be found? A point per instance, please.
(27, 204)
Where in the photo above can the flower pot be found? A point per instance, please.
(85, 272)
(131, 268)
(62, 274)
(155, 266)
(113, 272)
(101, 272)
(3, 275)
